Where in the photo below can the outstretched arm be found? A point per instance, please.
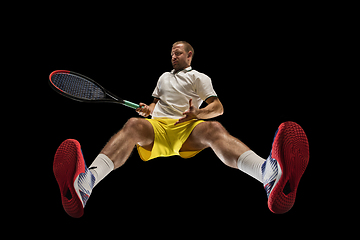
(213, 109)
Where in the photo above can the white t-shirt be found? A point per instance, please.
(175, 91)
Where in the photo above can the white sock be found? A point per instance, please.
(101, 167)
(250, 163)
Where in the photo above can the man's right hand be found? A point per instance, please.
(143, 110)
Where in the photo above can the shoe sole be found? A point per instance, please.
(291, 150)
(67, 166)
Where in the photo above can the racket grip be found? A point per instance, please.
(130, 104)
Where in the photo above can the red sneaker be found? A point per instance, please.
(74, 178)
(285, 166)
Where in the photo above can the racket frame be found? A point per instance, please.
(113, 98)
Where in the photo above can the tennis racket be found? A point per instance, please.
(80, 88)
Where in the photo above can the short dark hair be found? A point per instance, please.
(187, 46)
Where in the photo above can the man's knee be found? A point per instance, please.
(139, 129)
(134, 124)
(214, 128)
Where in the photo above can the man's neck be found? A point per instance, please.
(178, 70)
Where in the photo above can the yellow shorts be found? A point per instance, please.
(169, 138)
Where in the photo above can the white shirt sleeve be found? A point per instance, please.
(156, 92)
(204, 87)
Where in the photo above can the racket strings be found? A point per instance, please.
(77, 86)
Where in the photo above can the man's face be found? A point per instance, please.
(180, 59)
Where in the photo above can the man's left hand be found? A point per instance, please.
(191, 113)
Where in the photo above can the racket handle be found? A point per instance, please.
(130, 104)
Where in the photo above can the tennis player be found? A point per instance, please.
(177, 127)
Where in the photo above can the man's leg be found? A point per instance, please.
(76, 181)
(118, 149)
(230, 150)
(135, 131)
(280, 173)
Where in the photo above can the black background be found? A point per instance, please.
(266, 69)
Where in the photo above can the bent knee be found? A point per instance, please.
(139, 128)
(213, 128)
(134, 124)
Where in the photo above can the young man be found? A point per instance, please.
(177, 128)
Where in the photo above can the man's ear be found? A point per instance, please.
(190, 53)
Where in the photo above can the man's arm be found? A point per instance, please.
(145, 110)
(213, 109)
